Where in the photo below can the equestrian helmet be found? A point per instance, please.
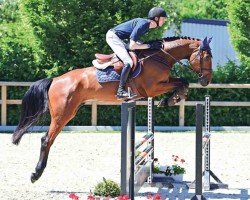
(157, 12)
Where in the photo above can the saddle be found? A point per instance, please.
(103, 61)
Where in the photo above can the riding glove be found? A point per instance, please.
(155, 45)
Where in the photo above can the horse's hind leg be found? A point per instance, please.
(180, 87)
(46, 142)
(42, 160)
(60, 117)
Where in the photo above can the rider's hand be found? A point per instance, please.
(155, 45)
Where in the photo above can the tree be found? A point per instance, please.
(57, 36)
(19, 49)
(239, 16)
(210, 9)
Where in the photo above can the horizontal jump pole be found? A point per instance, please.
(142, 156)
(146, 138)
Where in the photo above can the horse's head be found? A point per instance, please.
(201, 61)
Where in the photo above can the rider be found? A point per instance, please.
(133, 30)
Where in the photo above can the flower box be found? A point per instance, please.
(170, 171)
(177, 178)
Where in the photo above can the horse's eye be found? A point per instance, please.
(206, 57)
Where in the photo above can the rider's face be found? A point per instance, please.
(161, 21)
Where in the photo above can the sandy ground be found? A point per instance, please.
(77, 162)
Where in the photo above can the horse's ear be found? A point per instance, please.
(209, 40)
(193, 46)
(205, 41)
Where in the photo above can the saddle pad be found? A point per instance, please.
(109, 74)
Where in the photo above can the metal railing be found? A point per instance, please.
(94, 104)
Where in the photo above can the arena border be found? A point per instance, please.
(138, 128)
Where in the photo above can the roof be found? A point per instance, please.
(207, 21)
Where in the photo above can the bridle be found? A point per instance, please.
(201, 67)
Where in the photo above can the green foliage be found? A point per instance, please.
(48, 38)
(239, 16)
(71, 32)
(107, 188)
(178, 169)
(232, 73)
(40, 38)
(170, 170)
(19, 50)
(210, 9)
(8, 10)
(156, 170)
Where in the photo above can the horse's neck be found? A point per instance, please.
(179, 49)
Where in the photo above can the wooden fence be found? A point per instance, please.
(94, 104)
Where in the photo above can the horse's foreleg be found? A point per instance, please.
(179, 87)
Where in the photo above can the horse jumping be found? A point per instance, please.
(63, 95)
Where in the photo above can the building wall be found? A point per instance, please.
(221, 46)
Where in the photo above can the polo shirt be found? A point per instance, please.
(132, 29)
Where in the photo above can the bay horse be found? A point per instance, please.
(63, 95)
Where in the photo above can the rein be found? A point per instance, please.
(188, 66)
(148, 56)
(200, 74)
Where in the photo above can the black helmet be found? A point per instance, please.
(157, 12)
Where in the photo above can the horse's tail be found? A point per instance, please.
(34, 105)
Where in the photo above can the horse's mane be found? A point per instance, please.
(168, 39)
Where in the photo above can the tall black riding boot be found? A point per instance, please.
(121, 92)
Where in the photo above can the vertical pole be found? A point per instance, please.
(151, 130)
(124, 144)
(127, 148)
(4, 106)
(198, 161)
(198, 164)
(94, 113)
(207, 147)
(131, 131)
(182, 113)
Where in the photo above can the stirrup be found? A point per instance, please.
(122, 95)
(126, 95)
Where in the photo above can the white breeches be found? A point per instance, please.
(118, 46)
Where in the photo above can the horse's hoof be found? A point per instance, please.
(33, 178)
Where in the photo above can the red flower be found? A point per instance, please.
(91, 197)
(73, 196)
(157, 197)
(182, 161)
(123, 197)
